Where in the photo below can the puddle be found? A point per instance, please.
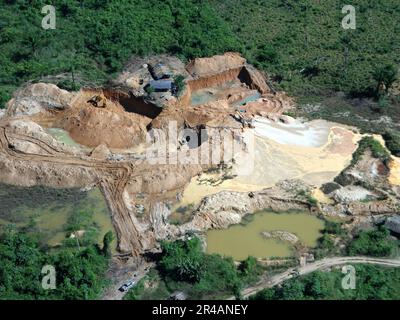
(181, 214)
(243, 240)
(63, 136)
(209, 94)
(253, 97)
(201, 97)
(48, 211)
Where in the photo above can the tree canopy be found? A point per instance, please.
(372, 282)
(208, 274)
(79, 272)
(95, 38)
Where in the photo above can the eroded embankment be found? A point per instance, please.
(394, 177)
(246, 79)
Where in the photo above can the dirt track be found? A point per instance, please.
(318, 265)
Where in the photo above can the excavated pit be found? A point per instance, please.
(238, 86)
(107, 117)
(136, 105)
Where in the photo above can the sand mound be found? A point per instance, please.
(202, 67)
(93, 126)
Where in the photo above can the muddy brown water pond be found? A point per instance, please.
(51, 213)
(243, 240)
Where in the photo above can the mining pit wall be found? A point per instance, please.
(252, 78)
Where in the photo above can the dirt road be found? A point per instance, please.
(120, 275)
(318, 265)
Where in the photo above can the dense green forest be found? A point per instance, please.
(301, 44)
(304, 45)
(94, 38)
(79, 271)
(372, 282)
(375, 243)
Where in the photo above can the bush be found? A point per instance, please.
(332, 227)
(79, 273)
(183, 262)
(4, 98)
(248, 266)
(385, 75)
(149, 89)
(219, 275)
(369, 143)
(392, 141)
(325, 246)
(180, 84)
(311, 200)
(373, 243)
(373, 282)
(267, 54)
(68, 85)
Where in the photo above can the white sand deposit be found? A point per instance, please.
(315, 152)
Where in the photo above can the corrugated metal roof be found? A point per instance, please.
(161, 84)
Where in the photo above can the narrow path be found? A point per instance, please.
(119, 275)
(318, 265)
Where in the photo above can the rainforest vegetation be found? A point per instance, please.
(372, 282)
(79, 270)
(183, 266)
(301, 44)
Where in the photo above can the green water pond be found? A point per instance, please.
(52, 214)
(243, 240)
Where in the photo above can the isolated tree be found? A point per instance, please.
(4, 97)
(107, 240)
(249, 266)
(182, 260)
(385, 76)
